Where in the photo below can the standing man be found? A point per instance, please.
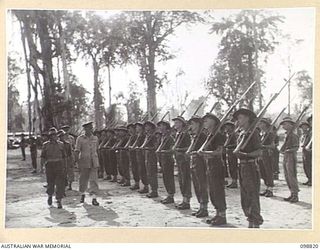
(140, 157)
(198, 166)
(110, 156)
(266, 158)
(149, 146)
(123, 163)
(181, 145)
(166, 160)
(23, 146)
(276, 154)
(52, 157)
(230, 145)
(86, 155)
(249, 172)
(133, 165)
(33, 153)
(212, 153)
(306, 154)
(289, 150)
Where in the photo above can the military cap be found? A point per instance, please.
(150, 123)
(139, 124)
(304, 123)
(228, 122)
(211, 116)
(309, 119)
(266, 121)
(121, 128)
(195, 118)
(52, 131)
(61, 133)
(166, 123)
(179, 118)
(287, 119)
(246, 112)
(65, 127)
(131, 125)
(87, 124)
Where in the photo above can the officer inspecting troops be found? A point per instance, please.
(53, 157)
(86, 155)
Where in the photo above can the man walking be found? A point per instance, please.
(52, 157)
(86, 155)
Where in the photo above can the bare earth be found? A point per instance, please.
(26, 205)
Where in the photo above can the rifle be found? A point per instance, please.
(214, 106)
(200, 105)
(165, 115)
(272, 124)
(211, 136)
(243, 143)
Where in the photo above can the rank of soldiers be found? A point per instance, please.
(241, 144)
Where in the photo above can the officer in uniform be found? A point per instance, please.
(198, 165)
(149, 146)
(230, 144)
(212, 153)
(69, 174)
(86, 155)
(166, 160)
(140, 157)
(52, 157)
(249, 177)
(306, 154)
(289, 150)
(266, 158)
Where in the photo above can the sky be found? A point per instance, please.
(195, 51)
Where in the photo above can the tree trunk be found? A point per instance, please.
(97, 98)
(48, 82)
(109, 82)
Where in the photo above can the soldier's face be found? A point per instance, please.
(195, 127)
(243, 120)
(88, 129)
(286, 126)
(178, 125)
(209, 123)
(139, 129)
(262, 126)
(132, 130)
(305, 128)
(163, 128)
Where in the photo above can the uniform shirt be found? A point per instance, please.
(139, 140)
(230, 142)
(110, 143)
(67, 148)
(88, 148)
(72, 141)
(253, 144)
(182, 140)
(150, 154)
(291, 141)
(267, 139)
(196, 142)
(33, 147)
(218, 141)
(166, 143)
(53, 151)
(306, 138)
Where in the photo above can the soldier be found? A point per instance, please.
(166, 160)
(132, 156)
(266, 158)
(248, 173)
(306, 154)
(33, 153)
(212, 153)
(182, 143)
(276, 154)
(231, 159)
(52, 157)
(101, 140)
(86, 155)
(22, 146)
(149, 146)
(69, 138)
(101, 151)
(122, 156)
(69, 174)
(140, 157)
(289, 150)
(110, 162)
(198, 166)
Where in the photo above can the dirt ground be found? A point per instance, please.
(26, 205)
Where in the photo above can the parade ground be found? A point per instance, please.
(26, 205)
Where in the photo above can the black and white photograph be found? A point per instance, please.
(169, 118)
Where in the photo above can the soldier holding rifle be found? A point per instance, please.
(198, 165)
(110, 156)
(182, 143)
(306, 154)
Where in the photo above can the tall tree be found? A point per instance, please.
(147, 33)
(247, 38)
(305, 84)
